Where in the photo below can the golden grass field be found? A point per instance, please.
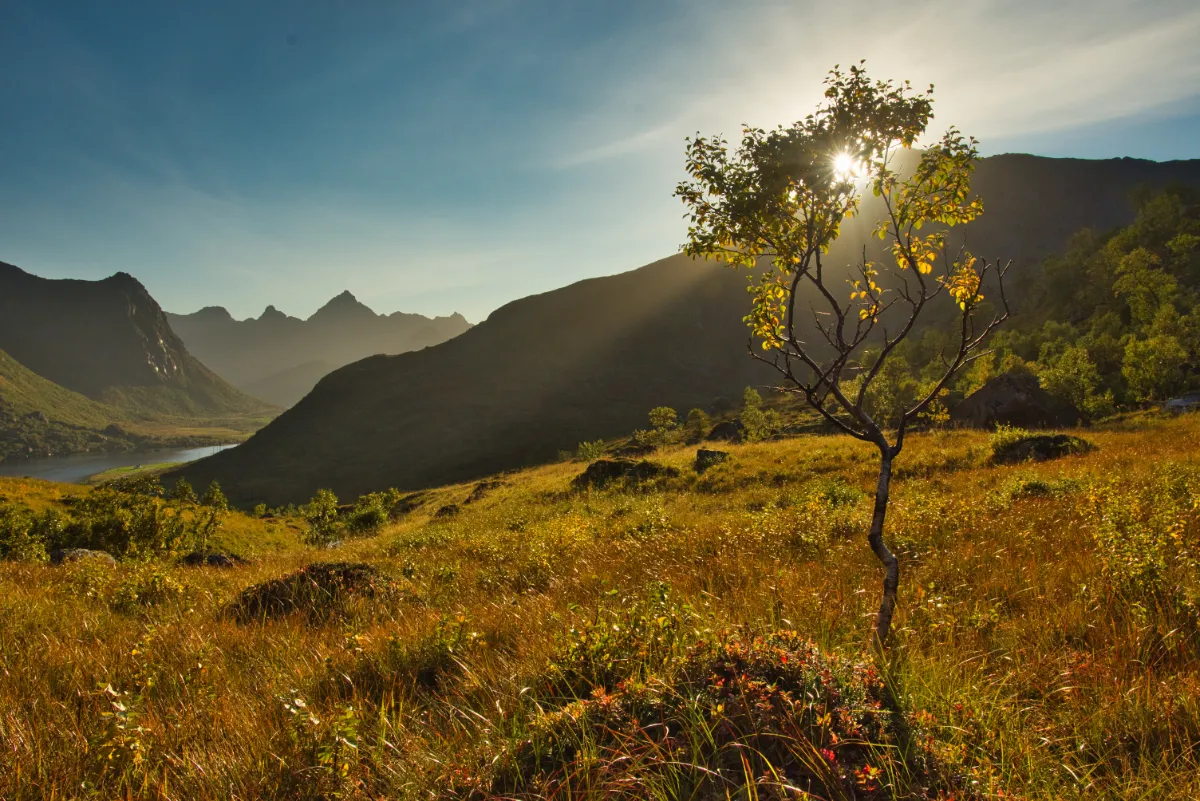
(1046, 646)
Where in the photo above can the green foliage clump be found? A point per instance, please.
(371, 512)
(128, 519)
(664, 428)
(1153, 367)
(327, 521)
(758, 423)
(22, 535)
(321, 515)
(590, 451)
(1071, 375)
(1147, 530)
(696, 426)
(146, 585)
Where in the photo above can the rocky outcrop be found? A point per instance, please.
(66, 555)
(1014, 399)
(603, 472)
(222, 560)
(317, 591)
(1039, 448)
(726, 431)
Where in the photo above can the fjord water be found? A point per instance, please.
(79, 467)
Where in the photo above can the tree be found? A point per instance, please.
(664, 428)
(1154, 367)
(697, 425)
(778, 204)
(757, 423)
(663, 418)
(321, 514)
(210, 514)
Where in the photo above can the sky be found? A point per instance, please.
(435, 156)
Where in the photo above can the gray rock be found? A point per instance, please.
(726, 431)
(223, 560)
(64, 555)
(1188, 402)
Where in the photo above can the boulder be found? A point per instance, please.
(64, 555)
(449, 510)
(602, 472)
(1014, 399)
(222, 560)
(1188, 402)
(706, 458)
(318, 591)
(1039, 448)
(725, 431)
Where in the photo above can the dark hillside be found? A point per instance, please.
(589, 360)
(540, 374)
(110, 341)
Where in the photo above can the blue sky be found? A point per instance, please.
(454, 155)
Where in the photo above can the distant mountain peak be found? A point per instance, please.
(213, 313)
(124, 278)
(272, 313)
(343, 306)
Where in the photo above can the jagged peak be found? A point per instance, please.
(342, 305)
(122, 277)
(272, 313)
(212, 313)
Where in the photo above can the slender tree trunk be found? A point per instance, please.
(891, 576)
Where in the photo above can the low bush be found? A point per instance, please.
(738, 716)
(318, 591)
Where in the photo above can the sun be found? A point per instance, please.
(843, 165)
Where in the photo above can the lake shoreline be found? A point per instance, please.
(82, 468)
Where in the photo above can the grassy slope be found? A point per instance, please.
(26, 391)
(1048, 673)
(74, 421)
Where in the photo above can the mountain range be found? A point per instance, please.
(279, 358)
(589, 360)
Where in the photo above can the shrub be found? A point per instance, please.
(758, 423)
(739, 716)
(147, 585)
(590, 451)
(183, 492)
(664, 428)
(626, 637)
(697, 425)
(321, 514)
(318, 590)
(19, 538)
(125, 523)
